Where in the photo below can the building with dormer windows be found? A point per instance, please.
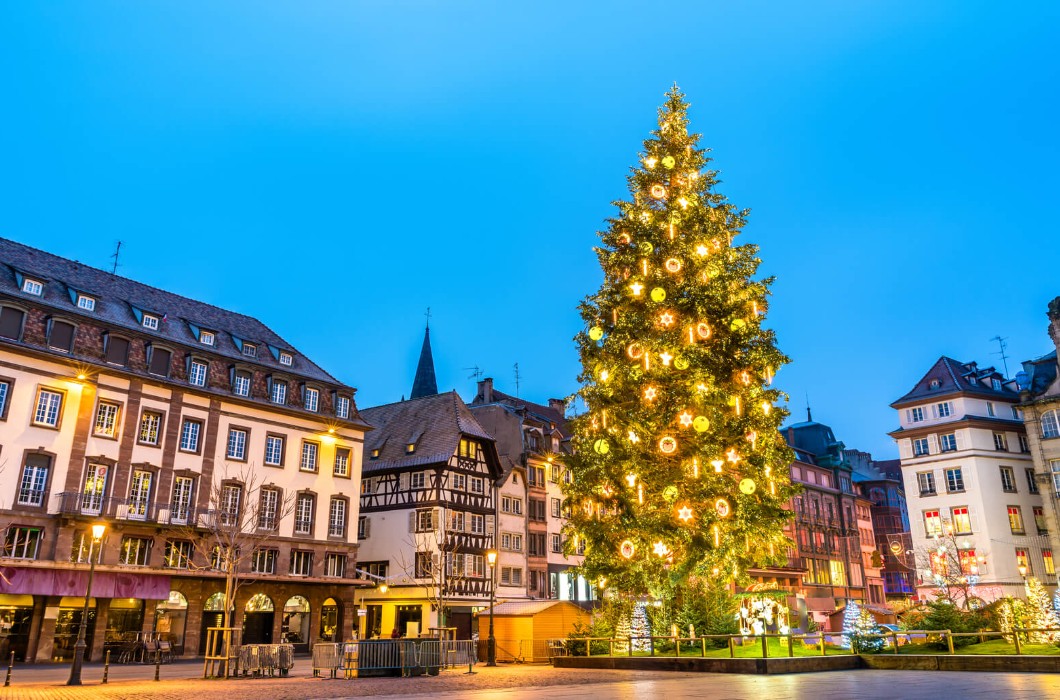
(969, 478)
(128, 405)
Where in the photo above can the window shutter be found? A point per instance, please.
(934, 410)
(438, 527)
(959, 434)
(469, 565)
(489, 524)
(973, 519)
(933, 444)
(11, 322)
(412, 521)
(367, 527)
(467, 522)
(905, 448)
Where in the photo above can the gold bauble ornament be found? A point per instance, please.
(701, 424)
(747, 486)
(670, 493)
(601, 446)
(646, 247)
(658, 294)
(668, 162)
(737, 324)
(680, 362)
(596, 333)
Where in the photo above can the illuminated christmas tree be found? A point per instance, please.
(859, 629)
(679, 468)
(1039, 613)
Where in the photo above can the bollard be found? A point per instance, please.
(10, 665)
(702, 646)
(822, 643)
(158, 663)
(106, 666)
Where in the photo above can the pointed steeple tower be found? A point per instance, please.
(425, 383)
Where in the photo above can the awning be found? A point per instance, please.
(105, 584)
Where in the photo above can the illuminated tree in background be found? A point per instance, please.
(679, 468)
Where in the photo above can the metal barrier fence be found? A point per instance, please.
(387, 657)
(266, 659)
(677, 646)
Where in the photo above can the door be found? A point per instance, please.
(95, 487)
(139, 495)
(257, 627)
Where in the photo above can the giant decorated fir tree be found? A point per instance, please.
(679, 468)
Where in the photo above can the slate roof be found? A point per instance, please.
(119, 300)
(948, 376)
(435, 423)
(541, 411)
(1041, 373)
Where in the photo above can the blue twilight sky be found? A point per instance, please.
(333, 168)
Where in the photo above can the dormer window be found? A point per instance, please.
(85, 302)
(375, 454)
(250, 350)
(151, 322)
(207, 338)
(312, 399)
(410, 448)
(286, 358)
(32, 286)
(342, 406)
(934, 384)
(996, 383)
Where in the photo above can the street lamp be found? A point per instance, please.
(1023, 570)
(79, 645)
(491, 644)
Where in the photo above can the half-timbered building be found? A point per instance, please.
(428, 516)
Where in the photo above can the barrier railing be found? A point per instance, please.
(672, 646)
(408, 657)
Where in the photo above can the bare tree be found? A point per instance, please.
(241, 514)
(952, 566)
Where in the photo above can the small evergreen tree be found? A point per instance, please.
(1039, 614)
(640, 627)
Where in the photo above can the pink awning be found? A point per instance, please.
(66, 582)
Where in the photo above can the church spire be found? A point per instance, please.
(425, 383)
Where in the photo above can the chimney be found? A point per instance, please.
(558, 405)
(485, 390)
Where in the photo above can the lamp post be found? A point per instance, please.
(79, 645)
(491, 644)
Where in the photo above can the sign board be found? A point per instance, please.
(361, 612)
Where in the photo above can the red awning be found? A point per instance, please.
(64, 582)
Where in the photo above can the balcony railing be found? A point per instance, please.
(93, 506)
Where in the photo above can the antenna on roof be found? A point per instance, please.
(1003, 345)
(476, 373)
(517, 379)
(117, 251)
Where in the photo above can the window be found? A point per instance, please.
(197, 373)
(177, 555)
(139, 495)
(962, 521)
(274, 450)
(342, 462)
(948, 442)
(303, 514)
(220, 559)
(536, 476)
(335, 565)
(1000, 443)
(425, 520)
(159, 361)
(477, 485)
(5, 391)
(468, 448)
(555, 543)
(511, 576)
(94, 488)
(180, 504)
(301, 563)
(969, 562)
(374, 454)
(278, 392)
(61, 336)
(231, 495)
(33, 287)
(286, 359)
(478, 524)
(309, 456)
(954, 480)
(943, 409)
(459, 482)
(250, 350)
(1054, 468)
(920, 447)
(837, 569)
(342, 406)
(31, 488)
(22, 542)
(135, 551)
(535, 545)
(263, 561)
(990, 408)
(410, 448)
(1032, 484)
(151, 322)
(337, 518)
(417, 480)
(1039, 520)
(106, 419)
(1008, 479)
(117, 351)
(1024, 447)
(512, 541)
(150, 427)
(207, 338)
(1015, 520)
(190, 431)
(11, 322)
(268, 509)
(916, 415)
(556, 507)
(456, 520)
(1023, 560)
(926, 481)
(1050, 425)
(312, 400)
(932, 523)
(48, 404)
(511, 505)
(1047, 557)
(478, 565)
(364, 527)
(237, 444)
(241, 383)
(81, 545)
(86, 303)
(424, 564)
(536, 509)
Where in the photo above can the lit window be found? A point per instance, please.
(150, 322)
(286, 358)
(207, 338)
(1015, 520)
(962, 522)
(197, 373)
(32, 287)
(1039, 520)
(106, 419)
(932, 523)
(86, 303)
(303, 514)
(1023, 560)
(1047, 557)
(150, 425)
